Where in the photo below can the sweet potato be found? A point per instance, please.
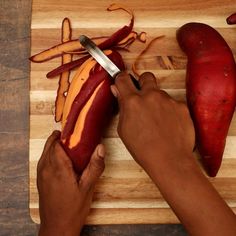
(231, 20)
(87, 110)
(87, 106)
(211, 89)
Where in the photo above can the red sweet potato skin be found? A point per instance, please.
(81, 99)
(210, 89)
(97, 118)
(231, 20)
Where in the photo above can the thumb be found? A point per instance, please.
(94, 169)
(123, 86)
(115, 91)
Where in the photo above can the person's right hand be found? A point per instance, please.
(159, 134)
(153, 126)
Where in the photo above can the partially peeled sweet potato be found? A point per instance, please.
(85, 105)
(88, 108)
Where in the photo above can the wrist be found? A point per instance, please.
(60, 231)
(167, 162)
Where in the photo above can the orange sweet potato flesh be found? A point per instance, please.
(83, 124)
(142, 37)
(211, 89)
(64, 78)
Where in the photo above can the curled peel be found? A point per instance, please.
(115, 6)
(142, 37)
(132, 36)
(67, 67)
(76, 63)
(138, 58)
(74, 45)
(122, 33)
(63, 84)
(56, 51)
(60, 49)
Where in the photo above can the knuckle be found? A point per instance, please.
(132, 101)
(67, 163)
(164, 94)
(57, 147)
(147, 74)
(85, 185)
(120, 76)
(58, 151)
(147, 77)
(152, 96)
(99, 164)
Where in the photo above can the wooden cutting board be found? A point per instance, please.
(124, 194)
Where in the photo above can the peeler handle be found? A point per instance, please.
(135, 82)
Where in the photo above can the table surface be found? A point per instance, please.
(15, 16)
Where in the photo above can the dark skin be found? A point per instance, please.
(64, 197)
(165, 156)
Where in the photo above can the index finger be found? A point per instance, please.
(51, 139)
(58, 157)
(55, 135)
(124, 86)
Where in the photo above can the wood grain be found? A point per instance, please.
(124, 193)
(14, 119)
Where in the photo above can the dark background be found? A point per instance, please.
(15, 18)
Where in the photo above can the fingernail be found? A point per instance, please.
(114, 90)
(101, 151)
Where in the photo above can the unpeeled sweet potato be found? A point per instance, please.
(211, 89)
(231, 20)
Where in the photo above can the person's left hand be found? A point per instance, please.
(64, 197)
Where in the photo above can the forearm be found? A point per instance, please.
(192, 197)
(49, 231)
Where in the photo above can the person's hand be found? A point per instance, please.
(64, 197)
(159, 134)
(152, 125)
